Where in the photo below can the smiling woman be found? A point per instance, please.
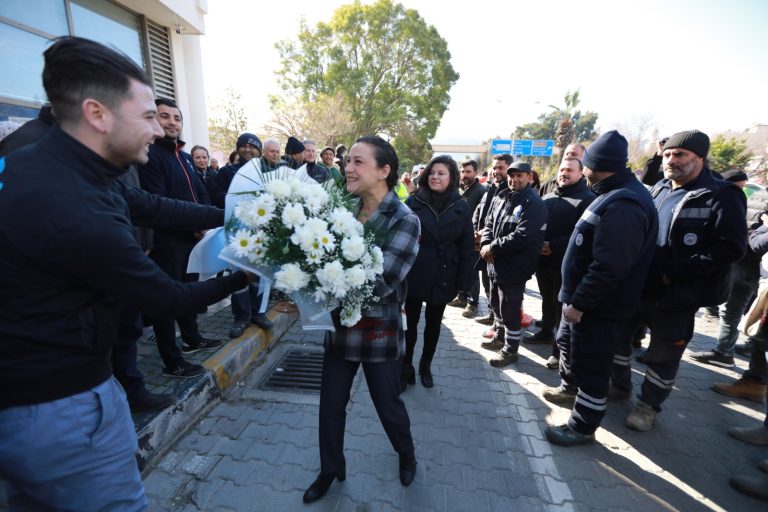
(377, 341)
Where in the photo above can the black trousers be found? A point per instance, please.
(173, 261)
(671, 330)
(550, 280)
(586, 353)
(433, 318)
(124, 353)
(384, 386)
(506, 304)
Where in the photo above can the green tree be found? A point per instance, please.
(726, 154)
(228, 122)
(392, 69)
(327, 120)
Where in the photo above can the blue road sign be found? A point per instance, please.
(527, 147)
(501, 146)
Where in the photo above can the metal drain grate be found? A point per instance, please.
(297, 371)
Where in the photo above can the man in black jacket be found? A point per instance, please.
(510, 245)
(246, 304)
(603, 272)
(565, 206)
(500, 165)
(471, 192)
(701, 234)
(68, 263)
(169, 172)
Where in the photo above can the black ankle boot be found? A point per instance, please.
(407, 376)
(407, 468)
(321, 485)
(426, 375)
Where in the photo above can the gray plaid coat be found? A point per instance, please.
(378, 336)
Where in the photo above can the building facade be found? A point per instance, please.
(160, 35)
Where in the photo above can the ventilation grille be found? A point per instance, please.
(297, 371)
(160, 60)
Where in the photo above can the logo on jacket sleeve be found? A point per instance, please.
(579, 239)
(517, 213)
(690, 239)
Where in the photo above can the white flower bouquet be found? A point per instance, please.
(304, 237)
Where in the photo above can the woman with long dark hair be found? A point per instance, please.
(376, 342)
(444, 264)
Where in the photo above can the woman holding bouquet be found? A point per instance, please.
(444, 264)
(376, 342)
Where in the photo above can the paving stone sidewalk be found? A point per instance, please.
(479, 438)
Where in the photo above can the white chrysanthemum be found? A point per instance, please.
(350, 315)
(290, 278)
(356, 276)
(243, 242)
(297, 187)
(293, 215)
(256, 212)
(316, 201)
(344, 223)
(377, 259)
(280, 189)
(332, 279)
(353, 248)
(316, 226)
(327, 241)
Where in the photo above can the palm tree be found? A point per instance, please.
(564, 133)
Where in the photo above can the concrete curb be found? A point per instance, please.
(227, 366)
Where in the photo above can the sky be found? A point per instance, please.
(671, 65)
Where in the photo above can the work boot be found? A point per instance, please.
(543, 337)
(238, 328)
(562, 396)
(497, 340)
(757, 436)
(754, 486)
(486, 320)
(262, 321)
(642, 417)
(504, 357)
(470, 311)
(457, 303)
(144, 401)
(745, 387)
(552, 363)
(563, 435)
(617, 393)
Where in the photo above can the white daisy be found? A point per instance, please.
(242, 243)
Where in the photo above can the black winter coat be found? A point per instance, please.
(69, 263)
(446, 256)
(514, 229)
(707, 235)
(565, 206)
(610, 249)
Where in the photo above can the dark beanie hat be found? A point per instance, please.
(735, 175)
(248, 138)
(607, 154)
(692, 140)
(293, 146)
(520, 166)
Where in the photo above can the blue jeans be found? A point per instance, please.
(75, 453)
(246, 304)
(743, 286)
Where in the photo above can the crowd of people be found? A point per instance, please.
(613, 255)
